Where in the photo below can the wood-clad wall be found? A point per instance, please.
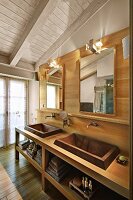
(114, 133)
(71, 63)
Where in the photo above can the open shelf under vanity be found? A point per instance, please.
(109, 180)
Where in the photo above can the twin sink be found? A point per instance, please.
(43, 130)
(96, 152)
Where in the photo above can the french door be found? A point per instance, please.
(2, 112)
(13, 108)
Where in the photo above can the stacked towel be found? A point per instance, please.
(24, 144)
(57, 168)
(38, 156)
(32, 149)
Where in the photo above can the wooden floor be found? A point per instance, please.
(20, 180)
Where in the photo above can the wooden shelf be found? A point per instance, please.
(32, 161)
(106, 119)
(116, 177)
(63, 187)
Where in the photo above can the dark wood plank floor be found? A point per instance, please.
(24, 177)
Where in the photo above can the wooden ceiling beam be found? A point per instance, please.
(82, 19)
(4, 61)
(44, 9)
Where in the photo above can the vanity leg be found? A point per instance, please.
(45, 160)
(16, 144)
(43, 168)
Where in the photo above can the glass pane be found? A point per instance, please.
(17, 107)
(2, 111)
(51, 96)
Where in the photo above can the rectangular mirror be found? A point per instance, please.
(97, 82)
(51, 89)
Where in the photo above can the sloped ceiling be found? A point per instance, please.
(31, 30)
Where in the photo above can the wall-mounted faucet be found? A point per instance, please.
(52, 115)
(92, 123)
(64, 116)
(66, 122)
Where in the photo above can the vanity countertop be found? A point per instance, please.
(115, 177)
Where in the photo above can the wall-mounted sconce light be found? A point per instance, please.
(94, 47)
(53, 63)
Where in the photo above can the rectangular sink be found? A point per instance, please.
(43, 130)
(97, 152)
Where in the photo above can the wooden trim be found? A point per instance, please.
(100, 118)
(63, 87)
(115, 79)
(78, 65)
(131, 100)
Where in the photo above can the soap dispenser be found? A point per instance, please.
(90, 186)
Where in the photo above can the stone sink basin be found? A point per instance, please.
(42, 130)
(97, 152)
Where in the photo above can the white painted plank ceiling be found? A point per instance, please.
(58, 21)
(15, 16)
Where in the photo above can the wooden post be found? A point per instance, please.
(45, 160)
(43, 168)
(16, 144)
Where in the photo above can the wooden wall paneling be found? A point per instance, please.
(115, 38)
(63, 87)
(123, 110)
(107, 131)
(121, 72)
(42, 87)
(122, 89)
(122, 81)
(43, 94)
(71, 86)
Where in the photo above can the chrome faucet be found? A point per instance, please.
(66, 122)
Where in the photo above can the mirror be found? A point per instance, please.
(51, 89)
(97, 82)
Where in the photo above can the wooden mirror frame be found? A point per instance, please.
(84, 53)
(43, 93)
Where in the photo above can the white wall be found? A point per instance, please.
(33, 100)
(87, 89)
(105, 66)
(113, 17)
